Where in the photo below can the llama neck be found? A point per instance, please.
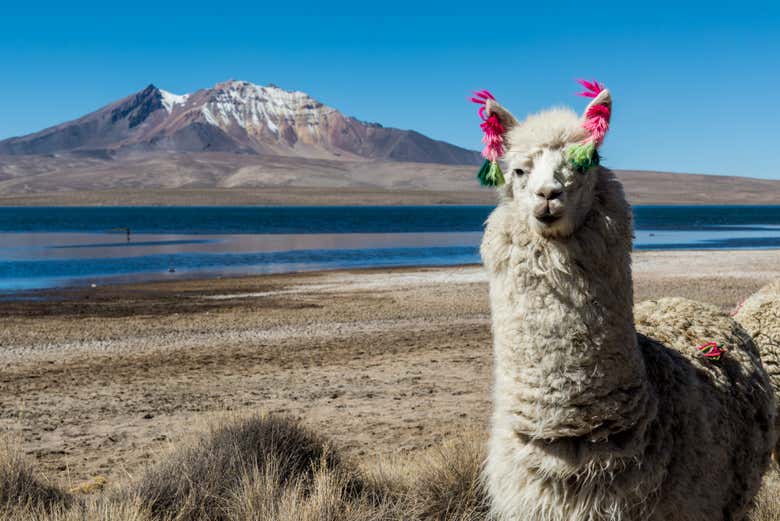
(566, 357)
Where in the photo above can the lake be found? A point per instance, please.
(43, 247)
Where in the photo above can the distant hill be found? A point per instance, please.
(235, 117)
(225, 178)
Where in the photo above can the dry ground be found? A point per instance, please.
(100, 381)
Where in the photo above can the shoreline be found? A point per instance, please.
(643, 189)
(316, 197)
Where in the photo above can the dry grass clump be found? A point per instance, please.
(201, 481)
(448, 483)
(21, 490)
(442, 484)
(267, 468)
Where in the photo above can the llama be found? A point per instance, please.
(591, 420)
(760, 316)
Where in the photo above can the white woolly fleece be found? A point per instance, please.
(760, 316)
(593, 422)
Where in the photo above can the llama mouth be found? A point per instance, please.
(548, 218)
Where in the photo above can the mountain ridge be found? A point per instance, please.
(236, 117)
(238, 138)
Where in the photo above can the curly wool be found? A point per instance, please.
(594, 422)
(760, 316)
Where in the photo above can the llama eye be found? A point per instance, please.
(519, 171)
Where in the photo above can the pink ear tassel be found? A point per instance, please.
(491, 127)
(596, 117)
(597, 122)
(493, 138)
(593, 88)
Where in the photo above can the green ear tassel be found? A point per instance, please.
(490, 174)
(583, 156)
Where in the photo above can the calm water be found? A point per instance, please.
(47, 247)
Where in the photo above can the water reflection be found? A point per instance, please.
(42, 260)
(34, 246)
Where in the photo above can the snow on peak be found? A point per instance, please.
(170, 100)
(253, 107)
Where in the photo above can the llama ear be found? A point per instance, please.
(504, 116)
(603, 98)
(597, 114)
(595, 120)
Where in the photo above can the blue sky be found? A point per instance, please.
(695, 84)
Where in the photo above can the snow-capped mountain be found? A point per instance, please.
(235, 117)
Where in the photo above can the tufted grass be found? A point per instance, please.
(265, 468)
(21, 490)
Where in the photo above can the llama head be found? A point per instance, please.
(551, 163)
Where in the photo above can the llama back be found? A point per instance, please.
(725, 407)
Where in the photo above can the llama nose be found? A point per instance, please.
(549, 193)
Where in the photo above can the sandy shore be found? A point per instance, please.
(97, 381)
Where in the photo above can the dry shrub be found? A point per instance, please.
(200, 481)
(328, 496)
(442, 483)
(94, 509)
(447, 482)
(21, 490)
(260, 468)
